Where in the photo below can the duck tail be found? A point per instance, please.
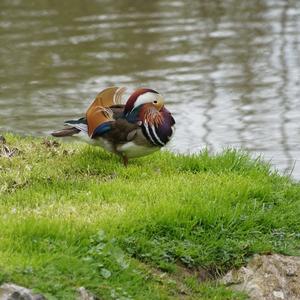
(69, 131)
(73, 127)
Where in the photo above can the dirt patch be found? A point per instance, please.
(179, 277)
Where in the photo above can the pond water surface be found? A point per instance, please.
(229, 70)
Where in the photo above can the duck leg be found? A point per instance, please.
(125, 160)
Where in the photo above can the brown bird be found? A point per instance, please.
(140, 127)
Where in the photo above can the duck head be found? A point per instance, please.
(144, 105)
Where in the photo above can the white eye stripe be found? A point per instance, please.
(145, 98)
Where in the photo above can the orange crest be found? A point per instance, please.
(152, 116)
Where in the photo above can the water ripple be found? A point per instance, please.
(230, 70)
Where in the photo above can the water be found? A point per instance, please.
(229, 70)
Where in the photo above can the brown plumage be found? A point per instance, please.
(99, 111)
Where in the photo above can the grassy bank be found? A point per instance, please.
(72, 215)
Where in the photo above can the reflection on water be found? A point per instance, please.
(230, 70)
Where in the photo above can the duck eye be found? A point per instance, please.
(155, 101)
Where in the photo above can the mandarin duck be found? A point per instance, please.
(140, 127)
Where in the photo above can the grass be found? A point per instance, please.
(72, 215)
